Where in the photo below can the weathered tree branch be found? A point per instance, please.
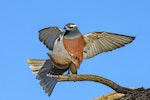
(126, 93)
(122, 93)
(94, 78)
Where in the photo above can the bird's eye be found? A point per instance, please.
(70, 26)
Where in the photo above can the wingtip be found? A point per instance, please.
(133, 37)
(44, 29)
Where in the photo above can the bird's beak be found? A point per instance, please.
(66, 28)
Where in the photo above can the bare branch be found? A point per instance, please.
(94, 78)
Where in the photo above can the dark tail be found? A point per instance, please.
(42, 68)
(48, 84)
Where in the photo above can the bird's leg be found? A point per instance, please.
(73, 69)
(68, 74)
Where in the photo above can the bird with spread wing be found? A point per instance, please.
(69, 47)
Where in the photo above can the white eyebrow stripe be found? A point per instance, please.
(73, 25)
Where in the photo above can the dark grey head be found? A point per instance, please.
(71, 31)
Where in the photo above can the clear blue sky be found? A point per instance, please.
(21, 20)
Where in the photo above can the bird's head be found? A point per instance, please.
(71, 31)
(70, 27)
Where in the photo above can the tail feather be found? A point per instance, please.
(36, 65)
(43, 80)
(47, 67)
(48, 84)
(42, 68)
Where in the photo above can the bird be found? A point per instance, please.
(69, 48)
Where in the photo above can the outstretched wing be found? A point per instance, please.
(49, 35)
(98, 42)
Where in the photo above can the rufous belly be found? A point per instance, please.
(75, 49)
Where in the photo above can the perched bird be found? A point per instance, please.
(69, 47)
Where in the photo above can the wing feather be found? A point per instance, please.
(98, 42)
(49, 35)
(107, 45)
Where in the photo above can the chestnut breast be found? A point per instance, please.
(75, 49)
